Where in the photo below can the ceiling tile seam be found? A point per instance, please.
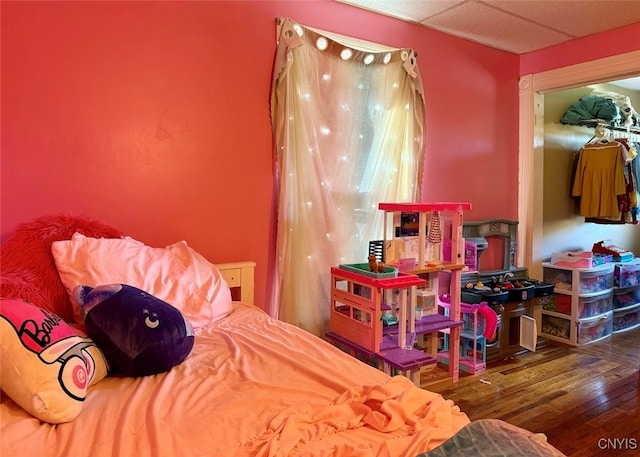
(529, 20)
(439, 13)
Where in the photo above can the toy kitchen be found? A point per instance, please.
(515, 298)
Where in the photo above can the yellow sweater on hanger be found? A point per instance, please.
(599, 179)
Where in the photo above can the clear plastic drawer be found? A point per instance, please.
(595, 305)
(591, 330)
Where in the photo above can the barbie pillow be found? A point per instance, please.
(175, 274)
(45, 367)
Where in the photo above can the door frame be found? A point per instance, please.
(531, 143)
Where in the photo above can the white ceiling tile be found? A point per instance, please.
(513, 25)
(576, 18)
(484, 24)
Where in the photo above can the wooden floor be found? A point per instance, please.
(586, 399)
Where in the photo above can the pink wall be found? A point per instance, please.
(154, 117)
(597, 46)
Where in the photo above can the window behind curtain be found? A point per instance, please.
(348, 123)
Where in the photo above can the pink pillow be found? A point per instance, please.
(44, 366)
(175, 274)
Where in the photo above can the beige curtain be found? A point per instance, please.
(348, 126)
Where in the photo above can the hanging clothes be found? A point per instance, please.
(599, 179)
(635, 175)
(630, 153)
(627, 203)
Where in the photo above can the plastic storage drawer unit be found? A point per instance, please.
(582, 308)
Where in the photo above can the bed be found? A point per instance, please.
(250, 385)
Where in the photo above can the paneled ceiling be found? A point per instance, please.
(517, 26)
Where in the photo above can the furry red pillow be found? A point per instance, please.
(28, 269)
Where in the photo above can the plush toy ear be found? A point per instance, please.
(139, 334)
(88, 297)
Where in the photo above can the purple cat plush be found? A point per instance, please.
(139, 334)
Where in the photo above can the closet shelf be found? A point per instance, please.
(619, 128)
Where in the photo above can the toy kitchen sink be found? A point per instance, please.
(504, 287)
(510, 294)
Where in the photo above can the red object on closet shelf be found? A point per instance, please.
(606, 247)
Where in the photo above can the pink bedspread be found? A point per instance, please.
(253, 386)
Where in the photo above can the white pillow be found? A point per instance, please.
(176, 274)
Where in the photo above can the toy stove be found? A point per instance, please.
(508, 291)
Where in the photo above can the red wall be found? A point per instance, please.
(154, 117)
(597, 46)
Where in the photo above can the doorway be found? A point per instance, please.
(532, 89)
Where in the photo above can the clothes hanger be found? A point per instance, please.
(600, 135)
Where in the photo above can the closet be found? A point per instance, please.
(563, 226)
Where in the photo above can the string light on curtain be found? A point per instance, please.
(348, 126)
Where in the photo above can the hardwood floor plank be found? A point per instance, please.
(585, 399)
